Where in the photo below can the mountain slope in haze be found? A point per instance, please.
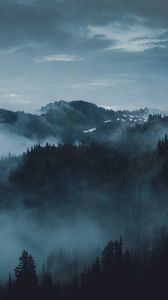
(69, 121)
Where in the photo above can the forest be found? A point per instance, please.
(116, 274)
(110, 201)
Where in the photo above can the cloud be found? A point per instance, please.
(113, 81)
(41, 39)
(12, 95)
(92, 84)
(58, 58)
(62, 24)
(135, 38)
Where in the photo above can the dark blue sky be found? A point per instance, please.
(110, 52)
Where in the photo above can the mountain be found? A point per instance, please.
(70, 121)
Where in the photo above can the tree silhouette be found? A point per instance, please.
(26, 278)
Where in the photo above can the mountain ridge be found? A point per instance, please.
(61, 119)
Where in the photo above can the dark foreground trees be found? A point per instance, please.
(117, 274)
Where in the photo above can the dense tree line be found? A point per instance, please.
(99, 178)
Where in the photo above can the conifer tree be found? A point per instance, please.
(25, 273)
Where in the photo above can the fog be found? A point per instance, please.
(21, 229)
(14, 144)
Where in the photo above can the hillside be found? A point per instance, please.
(68, 121)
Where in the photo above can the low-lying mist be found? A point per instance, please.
(14, 144)
(21, 229)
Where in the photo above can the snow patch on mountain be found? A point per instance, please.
(89, 130)
(108, 121)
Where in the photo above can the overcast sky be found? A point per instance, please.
(110, 52)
